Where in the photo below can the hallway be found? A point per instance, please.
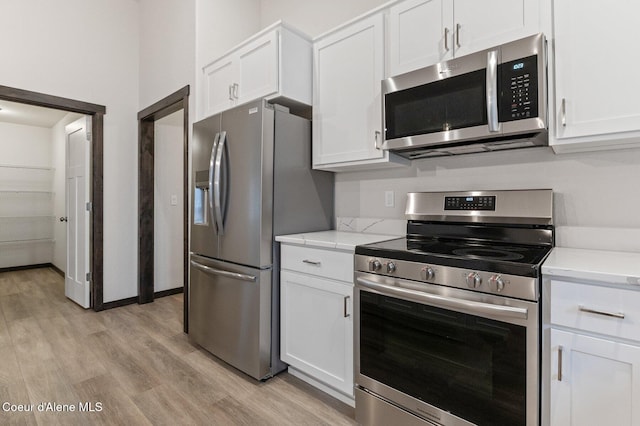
(134, 365)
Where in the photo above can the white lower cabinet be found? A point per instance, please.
(594, 355)
(594, 381)
(316, 324)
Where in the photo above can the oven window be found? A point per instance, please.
(449, 104)
(470, 366)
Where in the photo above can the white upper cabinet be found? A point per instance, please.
(596, 78)
(424, 32)
(417, 34)
(347, 108)
(275, 63)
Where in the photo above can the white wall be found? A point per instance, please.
(168, 219)
(25, 145)
(314, 17)
(596, 194)
(59, 164)
(167, 48)
(221, 25)
(87, 50)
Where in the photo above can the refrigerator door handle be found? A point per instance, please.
(227, 274)
(217, 184)
(214, 148)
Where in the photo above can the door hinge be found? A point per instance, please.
(88, 276)
(89, 206)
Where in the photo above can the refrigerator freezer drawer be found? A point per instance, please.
(230, 313)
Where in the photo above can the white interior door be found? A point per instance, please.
(78, 215)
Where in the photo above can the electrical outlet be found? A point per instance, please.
(389, 199)
(174, 200)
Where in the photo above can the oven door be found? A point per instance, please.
(450, 356)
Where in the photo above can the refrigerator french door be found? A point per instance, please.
(234, 154)
(250, 165)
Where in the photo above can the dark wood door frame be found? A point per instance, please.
(97, 113)
(146, 121)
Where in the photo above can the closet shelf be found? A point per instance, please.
(28, 217)
(21, 242)
(13, 166)
(20, 191)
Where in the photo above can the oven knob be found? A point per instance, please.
(474, 280)
(374, 265)
(427, 273)
(497, 283)
(391, 267)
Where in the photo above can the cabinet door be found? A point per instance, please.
(482, 24)
(348, 70)
(420, 34)
(218, 81)
(596, 70)
(317, 329)
(599, 382)
(258, 68)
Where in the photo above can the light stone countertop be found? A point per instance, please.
(340, 240)
(609, 267)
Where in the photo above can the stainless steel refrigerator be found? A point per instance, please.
(252, 180)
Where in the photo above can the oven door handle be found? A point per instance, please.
(445, 302)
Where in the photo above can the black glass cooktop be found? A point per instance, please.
(523, 260)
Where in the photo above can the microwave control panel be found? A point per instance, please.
(519, 89)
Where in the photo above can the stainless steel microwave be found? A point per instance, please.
(490, 100)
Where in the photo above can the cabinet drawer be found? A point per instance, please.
(337, 265)
(605, 310)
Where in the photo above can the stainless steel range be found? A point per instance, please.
(447, 320)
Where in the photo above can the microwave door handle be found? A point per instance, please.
(217, 184)
(492, 90)
(212, 164)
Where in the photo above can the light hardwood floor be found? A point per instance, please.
(135, 361)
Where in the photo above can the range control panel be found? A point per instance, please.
(486, 202)
(518, 89)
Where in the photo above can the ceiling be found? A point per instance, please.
(30, 115)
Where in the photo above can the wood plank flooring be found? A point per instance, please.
(134, 365)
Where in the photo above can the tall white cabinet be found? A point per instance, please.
(592, 335)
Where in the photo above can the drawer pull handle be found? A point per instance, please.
(346, 313)
(606, 314)
(560, 363)
(312, 262)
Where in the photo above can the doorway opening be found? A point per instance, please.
(95, 175)
(147, 120)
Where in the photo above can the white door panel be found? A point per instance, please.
(77, 196)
